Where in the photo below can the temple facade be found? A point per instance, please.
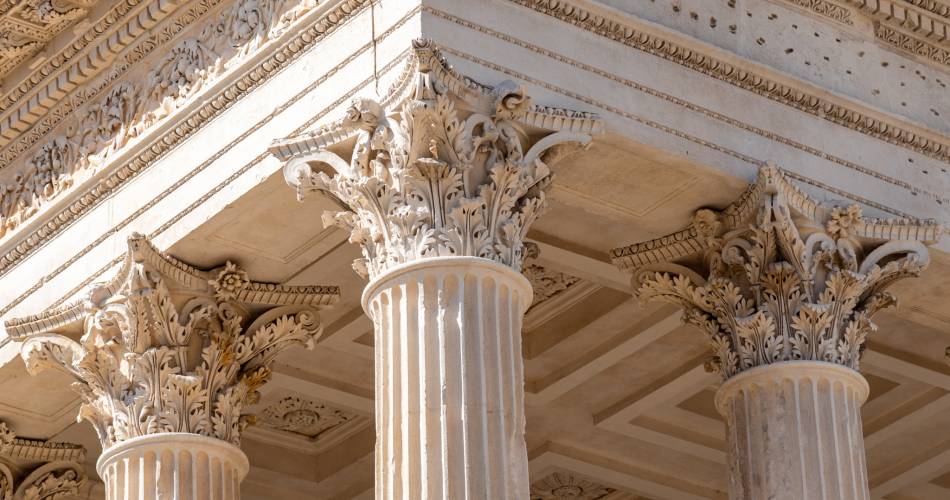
(474, 250)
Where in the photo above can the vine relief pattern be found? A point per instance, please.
(425, 178)
(155, 359)
(308, 418)
(131, 107)
(33, 469)
(777, 277)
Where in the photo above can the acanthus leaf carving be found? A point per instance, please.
(772, 288)
(34, 469)
(154, 359)
(424, 179)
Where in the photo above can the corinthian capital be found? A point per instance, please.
(164, 347)
(778, 277)
(441, 166)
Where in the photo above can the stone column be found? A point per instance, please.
(785, 289)
(449, 379)
(794, 431)
(168, 359)
(439, 190)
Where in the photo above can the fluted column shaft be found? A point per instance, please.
(449, 380)
(794, 432)
(173, 466)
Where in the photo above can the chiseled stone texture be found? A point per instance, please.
(450, 380)
(794, 432)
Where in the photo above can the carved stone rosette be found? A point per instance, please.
(165, 349)
(780, 284)
(443, 180)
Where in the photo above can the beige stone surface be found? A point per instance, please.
(617, 401)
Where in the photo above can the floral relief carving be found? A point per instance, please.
(424, 178)
(55, 485)
(45, 470)
(547, 283)
(562, 486)
(768, 287)
(309, 418)
(133, 106)
(152, 361)
(827, 9)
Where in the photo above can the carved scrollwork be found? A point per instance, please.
(151, 361)
(425, 179)
(791, 281)
(130, 107)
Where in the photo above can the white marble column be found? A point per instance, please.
(440, 188)
(449, 379)
(794, 432)
(168, 360)
(785, 291)
(173, 466)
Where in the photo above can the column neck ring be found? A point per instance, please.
(448, 264)
(794, 371)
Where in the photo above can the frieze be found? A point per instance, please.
(26, 195)
(128, 109)
(152, 154)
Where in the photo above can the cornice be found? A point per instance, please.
(78, 62)
(28, 27)
(799, 95)
(175, 217)
(290, 45)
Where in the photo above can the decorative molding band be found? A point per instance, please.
(935, 6)
(216, 189)
(923, 17)
(212, 106)
(131, 107)
(940, 199)
(912, 44)
(79, 61)
(44, 109)
(886, 130)
(826, 9)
